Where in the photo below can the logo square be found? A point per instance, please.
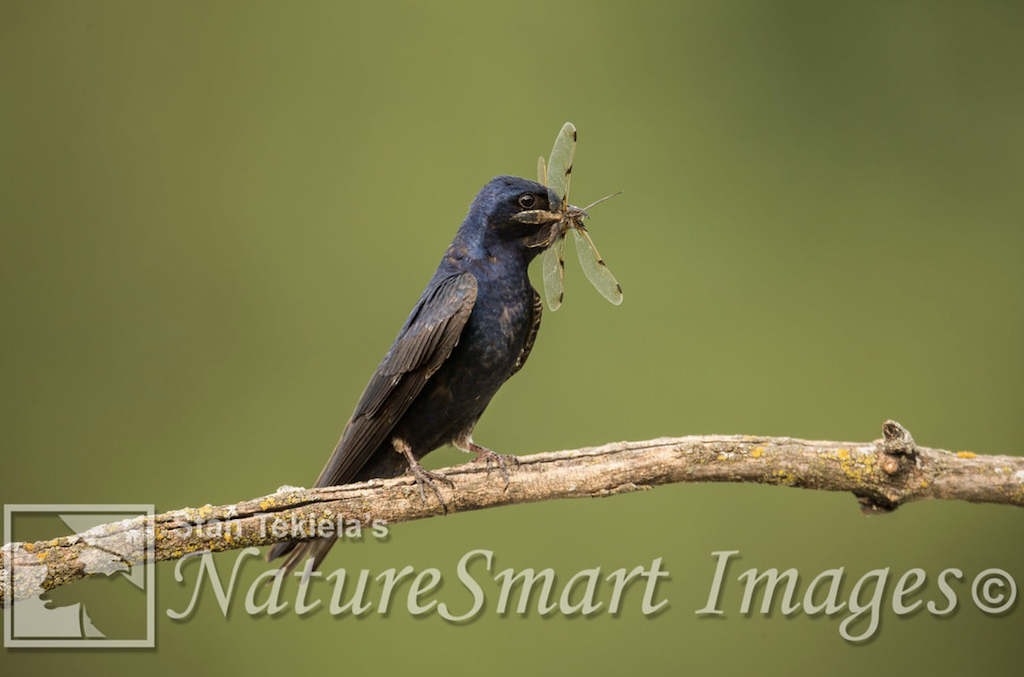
(120, 611)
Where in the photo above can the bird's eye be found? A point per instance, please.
(527, 200)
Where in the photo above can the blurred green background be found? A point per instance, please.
(215, 216)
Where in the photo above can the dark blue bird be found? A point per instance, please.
(472, 328)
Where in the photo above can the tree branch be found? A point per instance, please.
(883, 475)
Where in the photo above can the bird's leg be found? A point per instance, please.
(467, 444)
(422, 475)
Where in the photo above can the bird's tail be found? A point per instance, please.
(317, 549)
(297, 551)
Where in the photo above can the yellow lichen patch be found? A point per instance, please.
(854, 467)
(757, 452)
(966, 454)
(783, 477)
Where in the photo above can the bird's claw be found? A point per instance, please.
(422, 475)
(430, 479)
(493, 458)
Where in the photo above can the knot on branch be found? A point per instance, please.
(896, 457)
(898, 452)
(897, 440)
(875, 505)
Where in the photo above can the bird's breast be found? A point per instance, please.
(496, 331)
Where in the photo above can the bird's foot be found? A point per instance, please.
(430, 479)
(423, 476)
(492, 458)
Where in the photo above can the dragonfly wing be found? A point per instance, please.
(542, 171)
(553, 262)
(594, 266)
(560, 162)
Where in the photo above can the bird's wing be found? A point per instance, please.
(536, 310)
(423, 344)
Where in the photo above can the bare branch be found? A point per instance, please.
(882, 474)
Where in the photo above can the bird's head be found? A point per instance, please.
(511, 212)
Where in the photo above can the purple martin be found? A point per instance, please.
(472, 328)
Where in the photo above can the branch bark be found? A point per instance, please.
(882, 474)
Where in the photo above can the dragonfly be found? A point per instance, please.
(556, 175)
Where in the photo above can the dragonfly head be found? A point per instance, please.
(574, 213)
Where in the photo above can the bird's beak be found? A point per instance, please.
(537, 217)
